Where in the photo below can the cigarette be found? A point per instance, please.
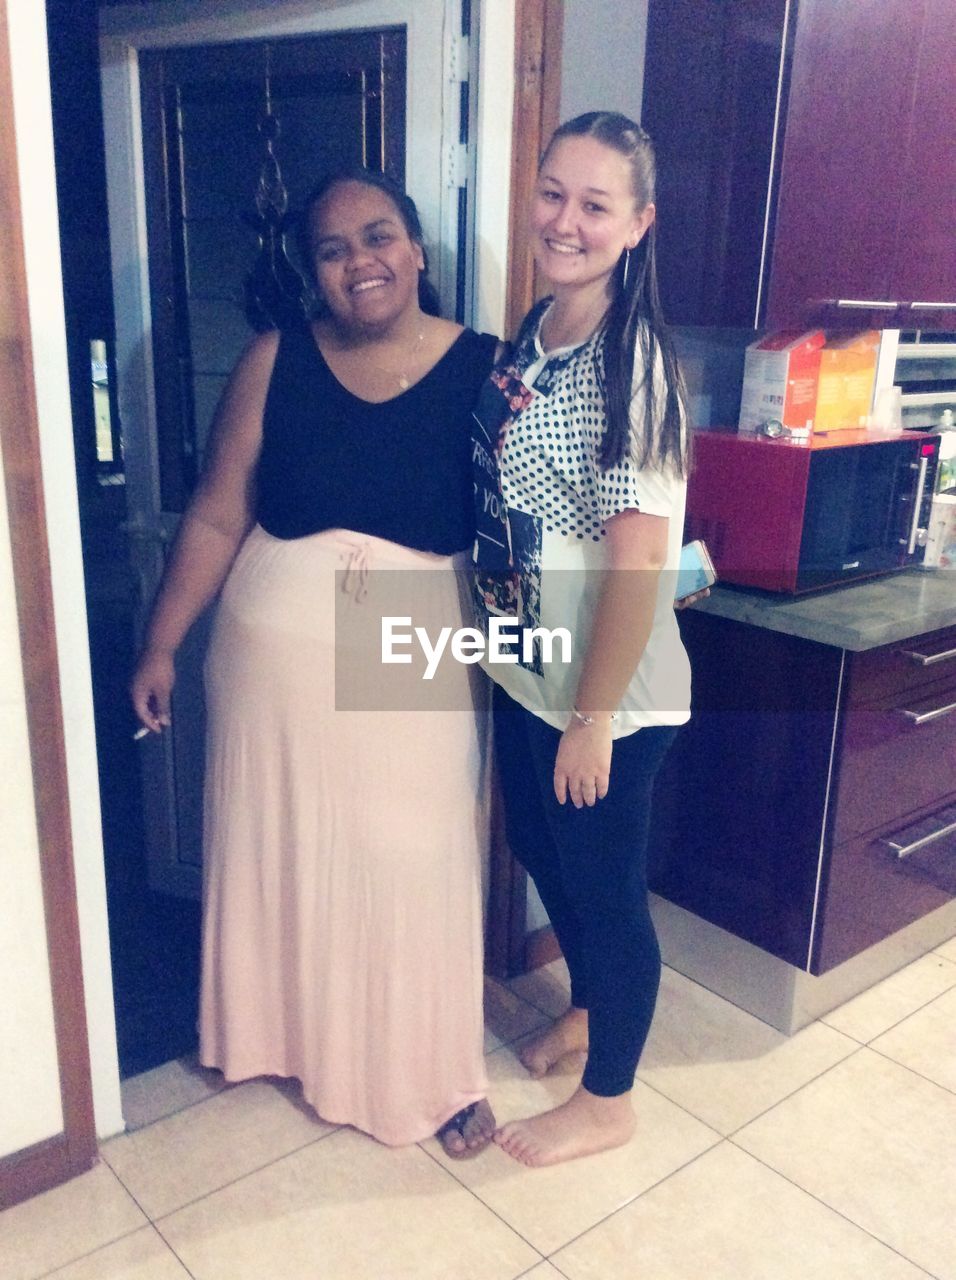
(140, 733)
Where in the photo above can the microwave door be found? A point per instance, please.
(827, 518)
(857, 504)
(882, 481)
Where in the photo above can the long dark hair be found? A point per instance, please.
(634, 318)
(428, 298)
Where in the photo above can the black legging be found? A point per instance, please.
(590, 867)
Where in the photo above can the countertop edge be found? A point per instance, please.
(856, 617)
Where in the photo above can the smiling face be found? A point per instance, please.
(366, 264)
(584, 213)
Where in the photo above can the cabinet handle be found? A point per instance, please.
(932, 306)
(928, 659)
(878, 304)
(904, 850)
(916, 717)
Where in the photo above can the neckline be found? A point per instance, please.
(568, 348)
(377, 404)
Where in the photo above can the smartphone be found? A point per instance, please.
(696, 570)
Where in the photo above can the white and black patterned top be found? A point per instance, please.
(543, 502)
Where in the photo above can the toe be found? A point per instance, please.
(533, 1065)
(453, 1143)
(486, 1119)
(480, 1126)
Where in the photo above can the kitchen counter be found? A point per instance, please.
(858, 616)
(813, 855)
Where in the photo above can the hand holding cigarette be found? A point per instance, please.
(150, 690)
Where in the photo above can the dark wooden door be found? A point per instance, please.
(218, 122)
(223, 124)
(711, 81)
(924, 267)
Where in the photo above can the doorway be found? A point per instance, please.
(162, 351)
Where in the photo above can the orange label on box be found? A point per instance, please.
(847, 374)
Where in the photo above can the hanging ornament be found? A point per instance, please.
(275, 293)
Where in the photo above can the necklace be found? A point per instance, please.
(402, 375)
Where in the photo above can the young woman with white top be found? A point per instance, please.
(581, 456)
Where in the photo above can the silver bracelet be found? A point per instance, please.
(579, 715)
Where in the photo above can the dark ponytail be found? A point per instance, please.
(634, 320)
(428, 298)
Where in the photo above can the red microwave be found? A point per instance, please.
(797, 515)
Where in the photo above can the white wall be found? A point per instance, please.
(34, 131)
(496, 87)
(29, 1077)
(602, 65)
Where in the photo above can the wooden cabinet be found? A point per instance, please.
(807, 161)
(810, 805)
(892, 842)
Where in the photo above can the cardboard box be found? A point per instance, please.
(845, 387)
(780, 381)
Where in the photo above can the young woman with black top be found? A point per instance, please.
(342, 919)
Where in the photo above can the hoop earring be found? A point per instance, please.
(627, 263)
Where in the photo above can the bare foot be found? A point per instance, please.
(583, 1125)
(468, 1131)
(568, 1035)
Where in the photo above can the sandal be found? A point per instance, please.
(457, 1125)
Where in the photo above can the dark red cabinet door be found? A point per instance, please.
(861, 216)
(924, 270)
(841, 196)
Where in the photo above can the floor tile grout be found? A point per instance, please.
(637, 1196)
(187, 1106)
(233, 1181)
(893, 1025)
(106, 1244)
(804, 1085)
(140, 1226)
(912, 1070)
(181, 1261)
(832, 1208)
(514, 1230)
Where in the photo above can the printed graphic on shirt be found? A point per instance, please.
(508, 543)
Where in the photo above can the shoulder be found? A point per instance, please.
(254, 367)
(262, 349)
(479, 350)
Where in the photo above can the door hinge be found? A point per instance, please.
(456, 165)
(458, 59)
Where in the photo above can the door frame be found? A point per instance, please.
(72, 1150)
(538, 29)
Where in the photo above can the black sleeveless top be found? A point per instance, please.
(399, 470)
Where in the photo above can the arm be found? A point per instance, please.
(217, 519)
(623, 618)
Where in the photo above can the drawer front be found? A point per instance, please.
(903, 670)
(883, 882)
(895, 759)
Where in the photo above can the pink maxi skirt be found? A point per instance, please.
(342, 900)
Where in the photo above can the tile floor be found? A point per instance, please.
(828, 1154)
